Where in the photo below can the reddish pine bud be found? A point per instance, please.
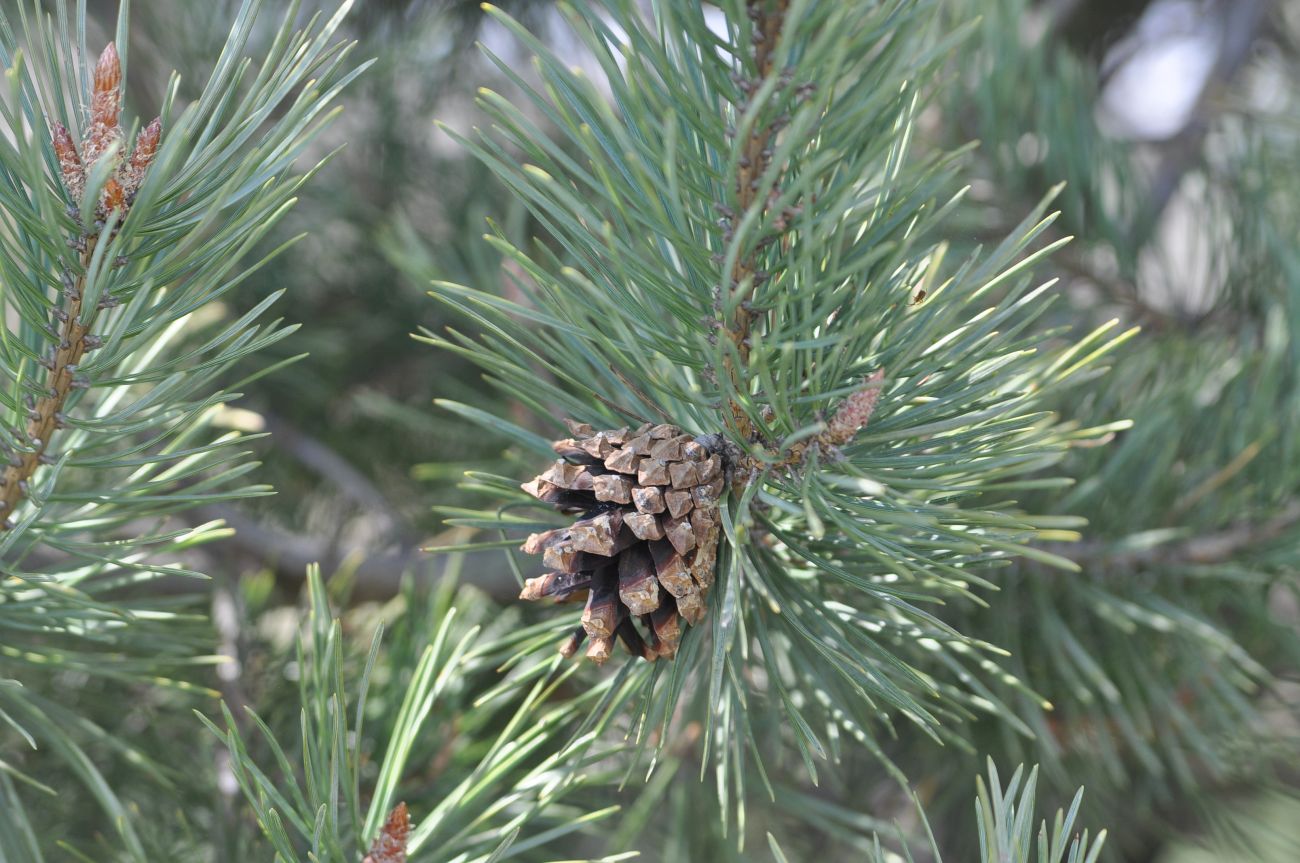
(74, 175)
(105, 104)
(114, 196)
(855, 410)
(390, 845)
(107, 86)
(146, 144)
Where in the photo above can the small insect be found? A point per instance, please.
(918, 296)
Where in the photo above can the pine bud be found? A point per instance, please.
(105, 105)
(390, 845)
(107, 84)
(855, 410)
(114, 196)
(146, 144)
(70, 167)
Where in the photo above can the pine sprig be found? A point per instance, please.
(831, 822)
(113, 260)
(74, 339)
(742, 238)
(317, 795)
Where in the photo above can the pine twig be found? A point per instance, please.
(45, 415)
(753, 165)
(746, 277)
(376, 575)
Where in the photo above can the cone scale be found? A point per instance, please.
(642, 551)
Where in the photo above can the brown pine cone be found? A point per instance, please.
(645, 545)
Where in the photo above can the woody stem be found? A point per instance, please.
(752, 166)
(46, 415)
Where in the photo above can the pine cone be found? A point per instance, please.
(645, 544)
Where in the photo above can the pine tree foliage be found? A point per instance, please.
(520, 794)
(943, 546)
(846, 817)
(320, 797)
(1006, 828)
(115, 348)
(743, 240)
(527, 791)
(1016, 90)
(1166, 660)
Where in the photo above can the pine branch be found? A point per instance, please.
(45, 414)
(752, 170)
(1201, 550)
(377, 575)
(757, 190)
(112, 259)
(1240, 22)
(881, 401)
(73, 338)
